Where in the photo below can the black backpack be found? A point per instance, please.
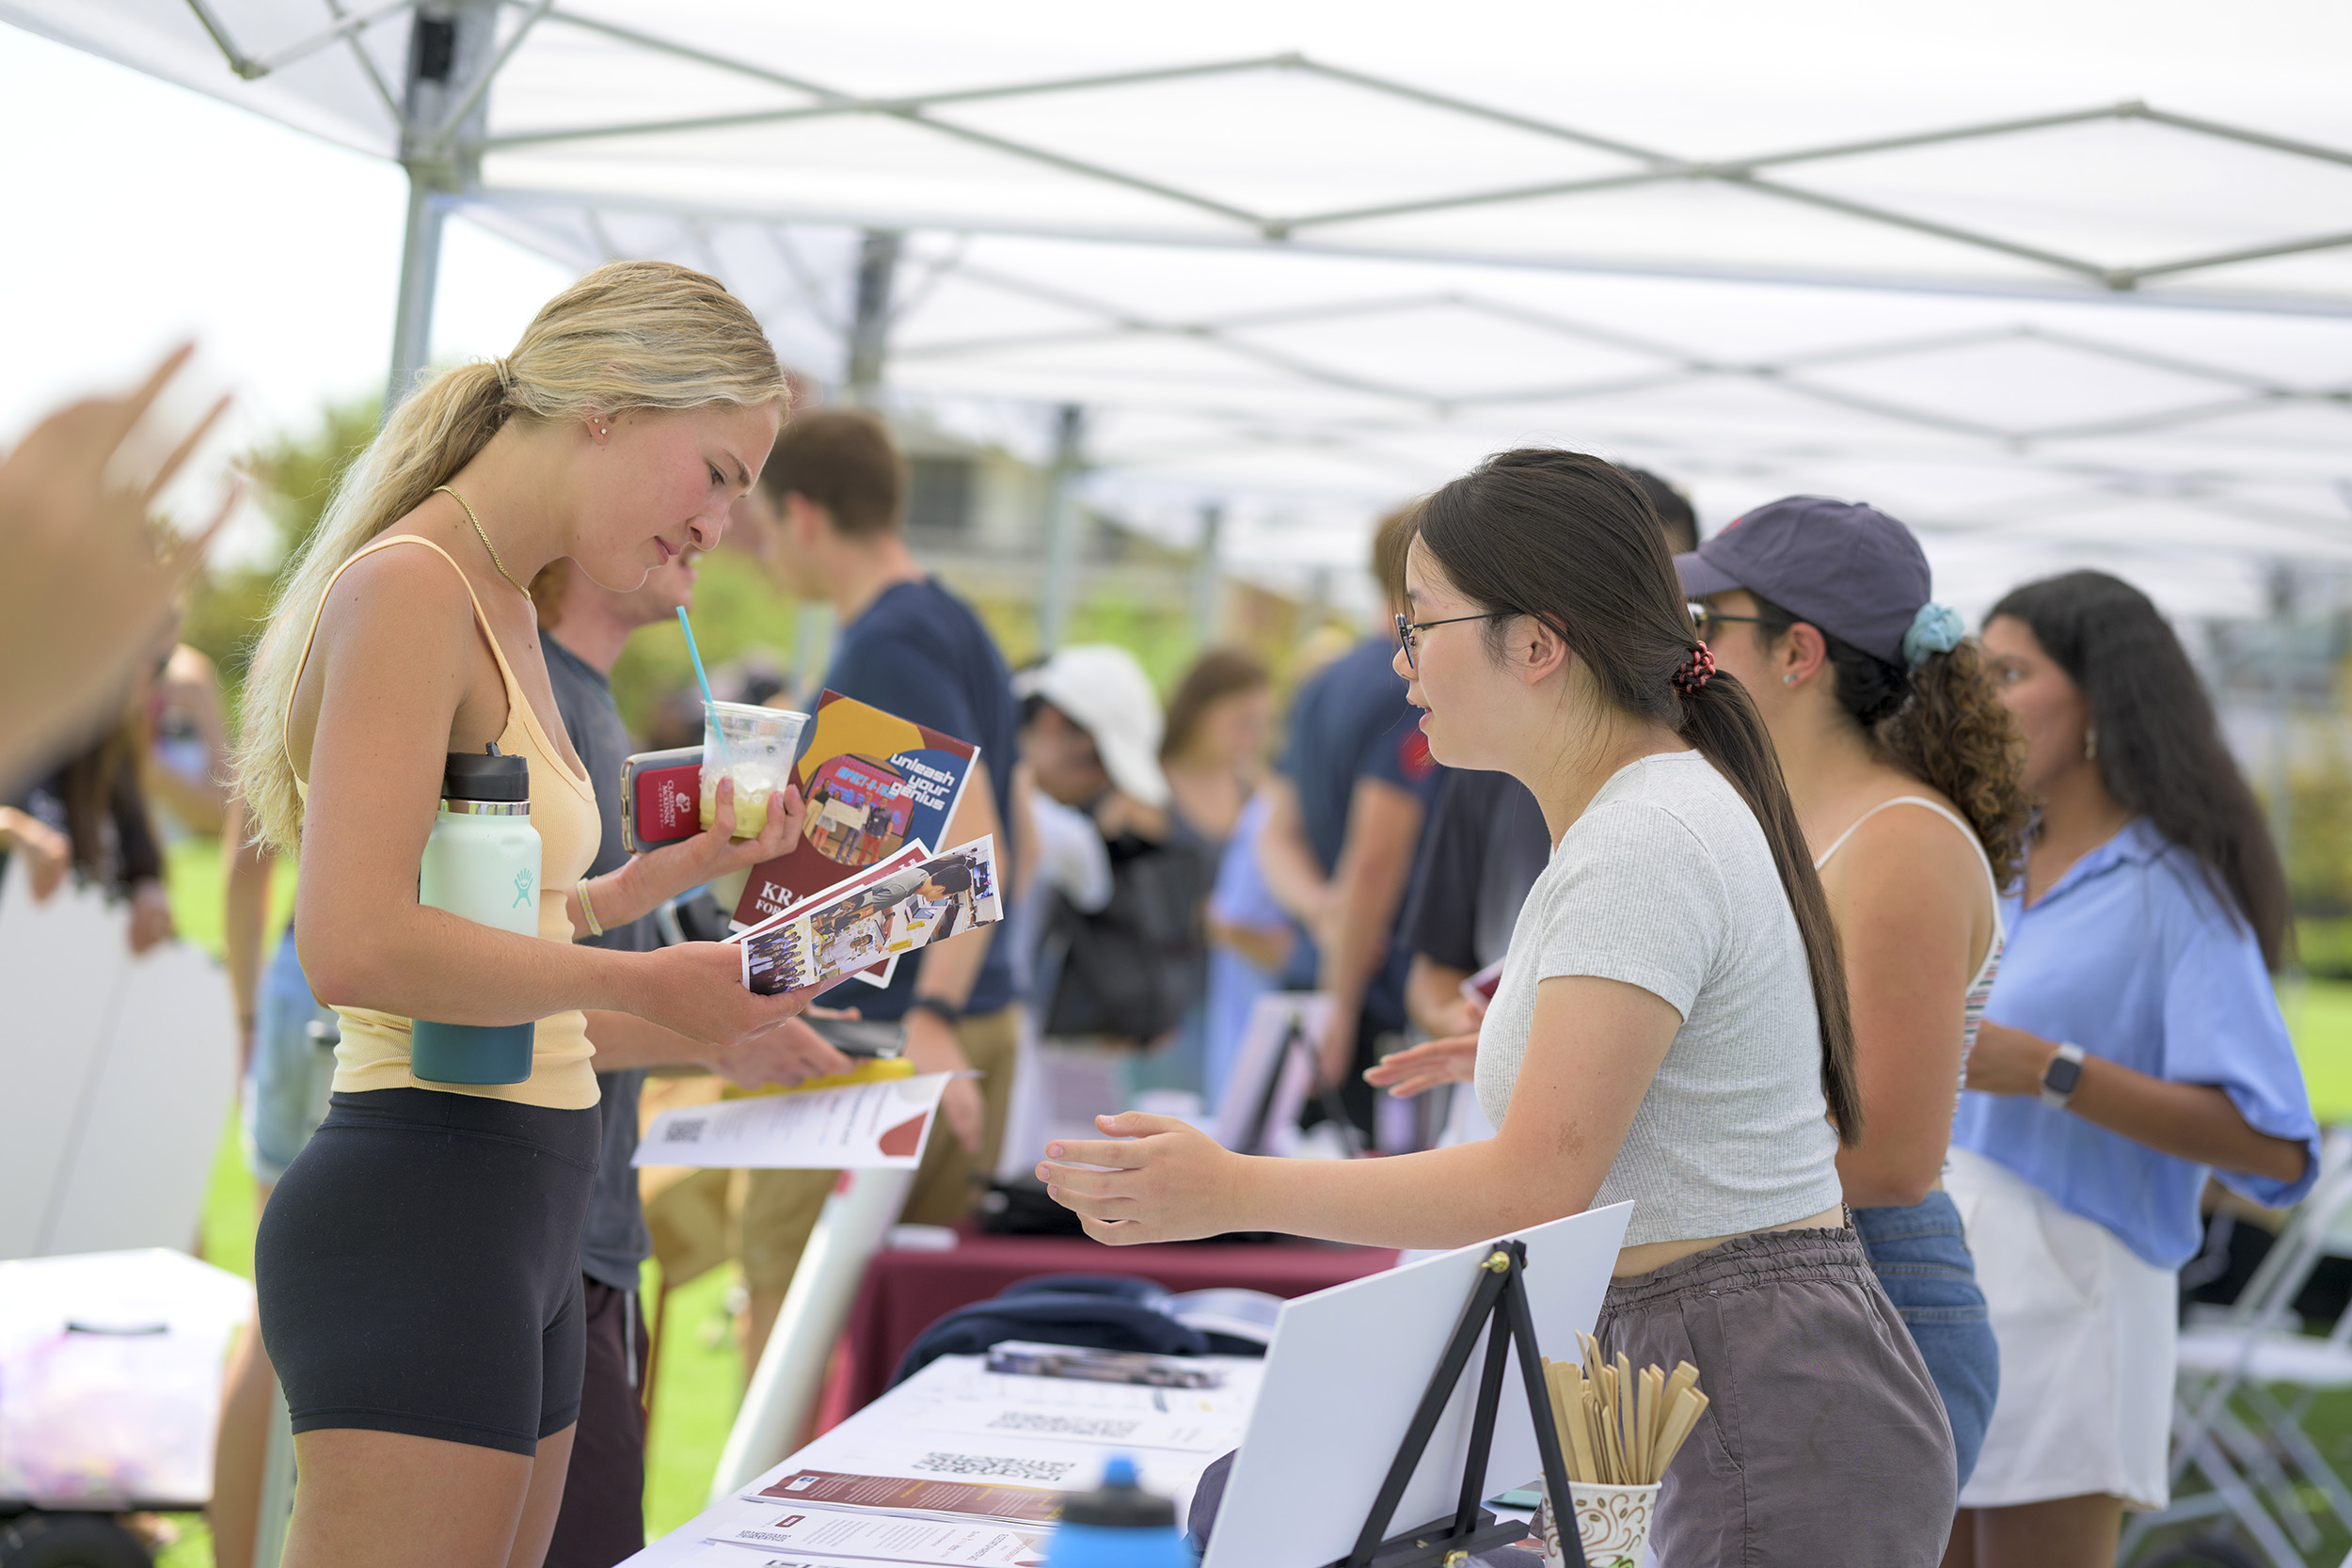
(1129, 971)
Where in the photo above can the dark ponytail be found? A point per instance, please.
(1942, 723)
(2160, 749)
(1569, 540)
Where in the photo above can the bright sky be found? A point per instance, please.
(142, 212)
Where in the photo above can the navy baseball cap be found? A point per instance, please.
(1849, 569)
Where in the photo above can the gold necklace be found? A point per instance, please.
(445, 490)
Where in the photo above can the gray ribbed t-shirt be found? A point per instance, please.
(1666, 882)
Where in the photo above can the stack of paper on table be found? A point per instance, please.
(960, 1465)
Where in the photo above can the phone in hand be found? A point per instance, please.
(661, 798)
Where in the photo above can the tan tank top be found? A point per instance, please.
(375, 1050)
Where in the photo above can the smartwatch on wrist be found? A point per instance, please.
(2061, 1077)
(947, 1012)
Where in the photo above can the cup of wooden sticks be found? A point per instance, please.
(1618, 1431)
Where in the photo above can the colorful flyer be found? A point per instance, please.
(903, 905)
(874, 784)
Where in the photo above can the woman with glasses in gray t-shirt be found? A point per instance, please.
(1671, 1027)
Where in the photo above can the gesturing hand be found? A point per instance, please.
(792, 1052)
(1424, 1066)
(90, 576)
(1166, 1181)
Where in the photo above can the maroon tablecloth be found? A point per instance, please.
(905, 1293)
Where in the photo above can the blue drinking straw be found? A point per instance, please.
(695, 654)
(708, 701)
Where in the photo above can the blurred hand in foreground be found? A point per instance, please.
(1418, 1068)
(91, 574)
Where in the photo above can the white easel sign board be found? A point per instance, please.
(119, 1071)
(1349, 1365)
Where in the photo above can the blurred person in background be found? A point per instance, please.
(832, 503)
(583, 627)
(183, 765)
(1213, 755)
(89, 817)
(89, 577)
(2132, 1047)
(1484, 847)
(1212, 749)
(1906, 773)
(1349, 800)
(1128, 971)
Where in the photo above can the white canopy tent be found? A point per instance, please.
(2052, 288)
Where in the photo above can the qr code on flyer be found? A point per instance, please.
(1047, 1471)
(1064, 1426)
(686, 1130)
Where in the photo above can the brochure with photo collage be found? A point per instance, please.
(908, 901)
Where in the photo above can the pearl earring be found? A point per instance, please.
(2090, 743)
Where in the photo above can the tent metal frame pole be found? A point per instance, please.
(1063, 542)
(1205, 582)
(419, 276)
(2068, 289)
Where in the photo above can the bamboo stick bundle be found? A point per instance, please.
(1617, 1426)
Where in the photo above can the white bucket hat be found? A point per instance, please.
(1100, 687)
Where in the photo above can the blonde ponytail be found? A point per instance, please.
(628, 335)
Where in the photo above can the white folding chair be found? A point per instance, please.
(2231, 1425)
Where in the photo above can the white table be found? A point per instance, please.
(955, 1421)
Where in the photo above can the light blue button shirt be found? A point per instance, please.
(2133, 957)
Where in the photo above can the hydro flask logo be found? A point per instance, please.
(523, 891)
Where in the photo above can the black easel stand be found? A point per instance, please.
(1501, 1298)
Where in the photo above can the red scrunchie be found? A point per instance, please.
(1694, 671)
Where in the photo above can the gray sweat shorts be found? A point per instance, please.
(1824, 1442)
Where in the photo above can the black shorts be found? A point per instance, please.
(418, 1267)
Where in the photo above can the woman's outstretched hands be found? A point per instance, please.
(1424, 1066)
(1162, 1181)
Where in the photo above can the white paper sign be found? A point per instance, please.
(878, 1126)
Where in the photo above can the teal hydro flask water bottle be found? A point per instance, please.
(481, 865)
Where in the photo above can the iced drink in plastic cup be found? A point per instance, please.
(755, 747)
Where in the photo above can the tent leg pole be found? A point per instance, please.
(1062, 544)
(420, 273)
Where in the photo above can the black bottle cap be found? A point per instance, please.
(1119, 1501)
(486, 776)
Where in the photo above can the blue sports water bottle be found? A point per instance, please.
(481, 865)
(1117, 1526)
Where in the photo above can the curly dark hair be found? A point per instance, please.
(1943, 724)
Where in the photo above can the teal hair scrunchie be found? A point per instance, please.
(1936, 629)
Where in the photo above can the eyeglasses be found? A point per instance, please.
(1408, 630)
(1706, 619)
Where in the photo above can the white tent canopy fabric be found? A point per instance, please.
(2053, 289)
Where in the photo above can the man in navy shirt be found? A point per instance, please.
(1349, 803)
(831, 505)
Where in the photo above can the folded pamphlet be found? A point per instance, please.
(907, 902)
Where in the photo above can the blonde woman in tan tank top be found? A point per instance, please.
(418, 1265)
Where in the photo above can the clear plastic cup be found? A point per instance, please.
(755, 747)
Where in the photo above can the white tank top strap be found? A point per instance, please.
(1983, 861)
